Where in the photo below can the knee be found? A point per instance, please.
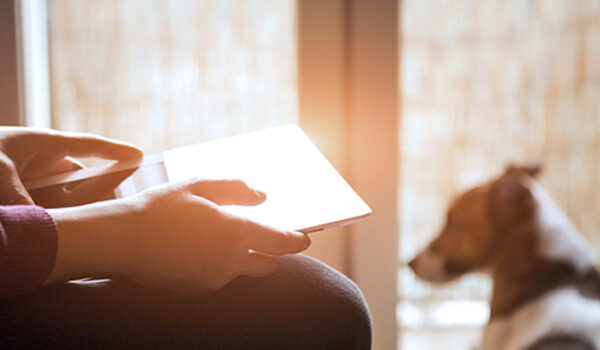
(304, 304)
(333, 302)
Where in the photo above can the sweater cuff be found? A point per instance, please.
(28, 247)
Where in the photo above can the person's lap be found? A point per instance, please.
(303, 305)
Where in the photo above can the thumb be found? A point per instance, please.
(12, 190)
(226, 192)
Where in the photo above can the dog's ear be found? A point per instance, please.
(531, 169)
(511, 202)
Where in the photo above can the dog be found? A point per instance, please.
(546, 288)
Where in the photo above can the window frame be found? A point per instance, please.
(31, 49)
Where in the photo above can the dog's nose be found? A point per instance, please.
(413, 263)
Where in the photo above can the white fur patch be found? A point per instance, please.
(430, 266)
(561, 311)
(559, 238)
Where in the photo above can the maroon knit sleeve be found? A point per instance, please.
(28, 245)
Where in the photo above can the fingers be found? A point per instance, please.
(80, 192)
(226, 192)
(265, 239)
(97, 188)
(259, 265)
(61, 166)
(67, 164)
(88, 145)
(75, 193)
(12, 190)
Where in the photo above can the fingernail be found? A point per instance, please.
(260, 194)
(308, 242)
(304, 239)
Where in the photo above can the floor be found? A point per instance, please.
(457, 339)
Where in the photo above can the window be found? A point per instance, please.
(484, 83)
(168, 73)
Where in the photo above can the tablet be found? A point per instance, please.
(304, 191)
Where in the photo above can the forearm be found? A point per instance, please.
(93, 240)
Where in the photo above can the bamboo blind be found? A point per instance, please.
(162, 73)
(486, 82)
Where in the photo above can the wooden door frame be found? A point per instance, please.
(9, 64)
(25, 93)
(348, 83)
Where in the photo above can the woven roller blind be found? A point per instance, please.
(165, 73)
(489, 82)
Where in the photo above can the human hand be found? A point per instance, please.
(27, 153)
(173, 236)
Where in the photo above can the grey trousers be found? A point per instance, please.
(303, 305)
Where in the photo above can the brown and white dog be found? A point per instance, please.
(546, 292)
